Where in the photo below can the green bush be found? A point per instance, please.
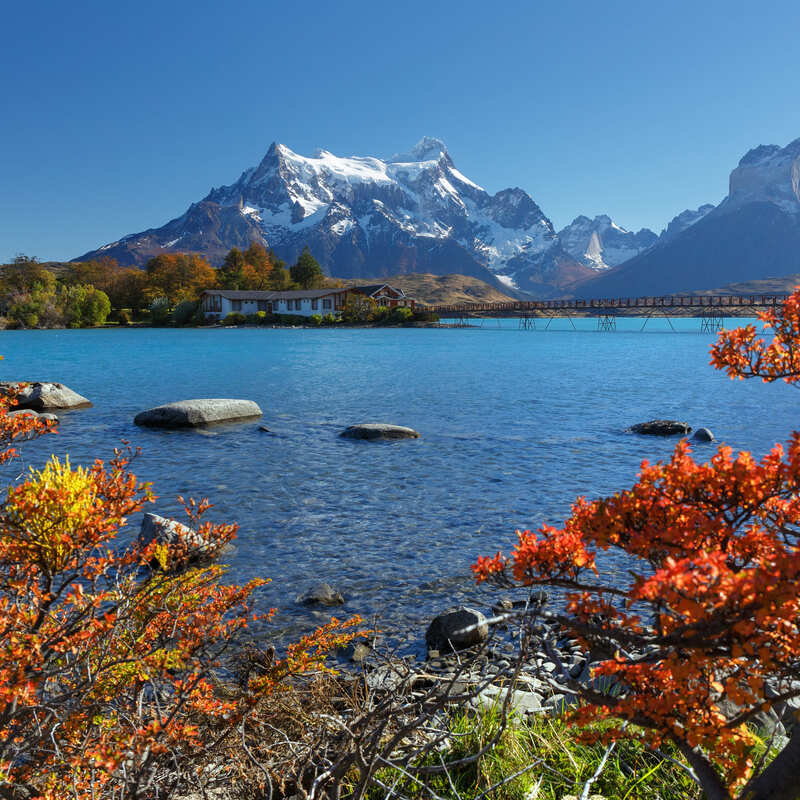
(235, 318)
(329, 319)
(400, 315)
(291, 319)
(184, 312)
(315, 319)
(159, 311)
(421, 315)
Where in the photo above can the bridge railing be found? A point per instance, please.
(649, 302)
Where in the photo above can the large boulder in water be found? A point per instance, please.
(194, 413)
(455, 630)
(379, 430)
(661, 427)
(703, 435)
(41, 396)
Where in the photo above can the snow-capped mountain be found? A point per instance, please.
(600, 243)
(366, 217)
(754, 233)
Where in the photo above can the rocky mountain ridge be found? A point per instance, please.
(416, 212)
(752, 235)
(361, 216)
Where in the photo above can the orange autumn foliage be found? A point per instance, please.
(111, 654)
(701, 628)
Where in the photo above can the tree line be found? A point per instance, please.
(86, 294)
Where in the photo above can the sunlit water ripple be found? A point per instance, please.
(515, 424)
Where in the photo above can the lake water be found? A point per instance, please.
(515, 424)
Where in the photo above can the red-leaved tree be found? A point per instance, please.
(702, 633)
(115, 660)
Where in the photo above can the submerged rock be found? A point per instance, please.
(455, 630)
(379, 430)
(322, 594)
(661, 427)
(40, 396)
(192, 413)
(703, 435)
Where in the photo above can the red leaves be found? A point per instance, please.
(707, 607)
(107, 665)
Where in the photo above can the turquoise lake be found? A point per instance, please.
(515, 424)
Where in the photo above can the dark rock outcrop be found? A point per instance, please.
(379, 430)
(455, 630)
(661, 427)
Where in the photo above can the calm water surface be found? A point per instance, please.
(515, 424)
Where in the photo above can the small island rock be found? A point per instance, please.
(322, 594)
(193, 413)
(41, 396)
(379, 430)
(661, 427)
(703, 435)
(455, 630)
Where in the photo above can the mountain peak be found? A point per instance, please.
(428, 148)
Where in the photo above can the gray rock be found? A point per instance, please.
(521, 702)
(387, 677)
(787, 710)
(321, 594)
(455, 630)
(192, 413)
(379, 430)
(40, 396)
(557, 704)
(170, 532)
(703, 435)
(661, 427)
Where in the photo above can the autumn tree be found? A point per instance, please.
(701, 632)
(178, 276)
(127, 289)
(99, 273)
(115, 660)
(307, 273)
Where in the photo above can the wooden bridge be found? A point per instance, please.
(709, 308)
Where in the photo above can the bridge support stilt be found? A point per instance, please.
(527, 322)
(605, 322)
(711, 321)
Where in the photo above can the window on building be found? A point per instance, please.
(314, 304)
(326, 303)
(262, 305)
(236, 305)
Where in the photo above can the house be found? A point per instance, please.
(218, 303)
(384, 295)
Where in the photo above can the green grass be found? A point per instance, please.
(632, 771)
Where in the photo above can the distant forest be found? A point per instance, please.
(36, 294)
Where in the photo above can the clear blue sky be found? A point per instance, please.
(116, 116)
